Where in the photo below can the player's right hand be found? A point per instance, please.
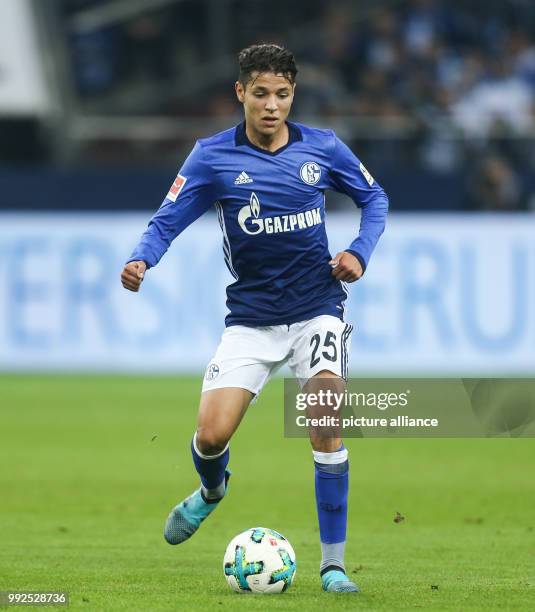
(132, 275)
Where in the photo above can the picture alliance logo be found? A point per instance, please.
(252, 224)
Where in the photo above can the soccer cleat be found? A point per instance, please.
(186, 518)
(335, 581)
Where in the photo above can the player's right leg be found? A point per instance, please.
(243, 362)
(220, 413)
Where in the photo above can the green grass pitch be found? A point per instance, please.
(90, 467)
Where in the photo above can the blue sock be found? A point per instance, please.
(332, 487)
(211, 469)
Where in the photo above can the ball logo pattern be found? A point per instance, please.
(259, 560)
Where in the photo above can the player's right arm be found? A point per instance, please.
(133, 274)
(190, 196)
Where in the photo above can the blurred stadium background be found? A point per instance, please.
(101, 100)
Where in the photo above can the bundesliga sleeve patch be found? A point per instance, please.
(176, 187)
(366, 174)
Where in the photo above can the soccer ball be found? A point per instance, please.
(259, 560)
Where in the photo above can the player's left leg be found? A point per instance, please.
(319, 360)
(331, 468)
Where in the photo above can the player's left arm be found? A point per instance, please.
(348, 175)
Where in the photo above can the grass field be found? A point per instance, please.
(90, 467)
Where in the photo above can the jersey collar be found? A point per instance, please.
(294, 135)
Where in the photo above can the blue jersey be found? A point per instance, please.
(271, 208)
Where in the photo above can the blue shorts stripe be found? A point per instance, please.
(345, 335)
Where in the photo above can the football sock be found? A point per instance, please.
(332, 556)
(211, 469)
(332, 486)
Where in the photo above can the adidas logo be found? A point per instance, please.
(243, 179)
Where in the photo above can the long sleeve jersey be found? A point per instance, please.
(271, 209)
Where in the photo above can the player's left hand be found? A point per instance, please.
(346, 267)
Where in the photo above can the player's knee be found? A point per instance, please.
(325, 445)
(210, 442)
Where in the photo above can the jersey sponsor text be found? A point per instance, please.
(252, 224)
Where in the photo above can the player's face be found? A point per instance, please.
(266, 100)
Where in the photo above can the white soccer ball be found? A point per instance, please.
(259, 560)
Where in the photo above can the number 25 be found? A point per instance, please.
(329, 343)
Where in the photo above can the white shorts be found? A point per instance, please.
(248, 356)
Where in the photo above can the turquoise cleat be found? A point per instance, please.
(187, 517)
(335, 581)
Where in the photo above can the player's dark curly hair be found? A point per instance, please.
(266, 58)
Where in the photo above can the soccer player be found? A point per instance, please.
(266, 178)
